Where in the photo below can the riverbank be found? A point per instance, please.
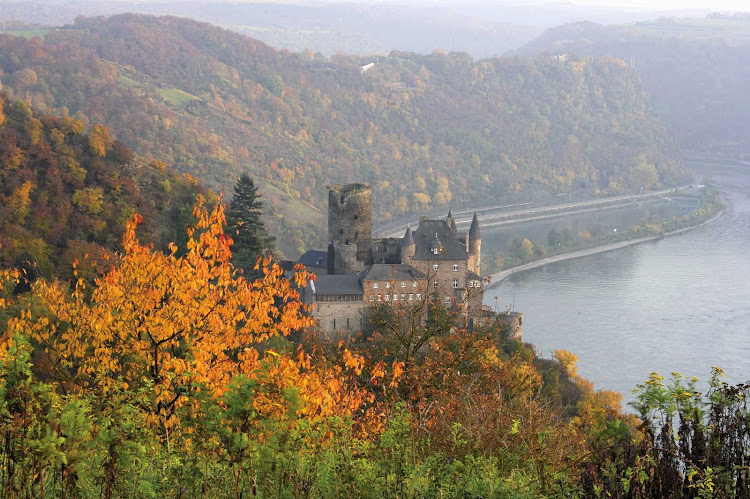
(498, 277)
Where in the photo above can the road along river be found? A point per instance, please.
(680, 303)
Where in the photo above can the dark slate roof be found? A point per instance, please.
(474, 229)
(386, 272)
(338, 284)
(287, 265)
(425, 234)
(314, 258)
(408, 240)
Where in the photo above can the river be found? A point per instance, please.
(680, 304)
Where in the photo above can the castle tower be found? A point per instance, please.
(408, 247)
(349, 222)
(475, 245)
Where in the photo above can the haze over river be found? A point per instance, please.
(681, 303)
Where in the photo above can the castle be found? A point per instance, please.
(435, 261)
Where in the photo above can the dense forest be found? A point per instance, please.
(424, 130)
(65, 194)
(694, 70)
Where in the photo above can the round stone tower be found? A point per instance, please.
(475, 245)
(408, 247)
(350, 217)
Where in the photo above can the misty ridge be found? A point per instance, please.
(480, 29)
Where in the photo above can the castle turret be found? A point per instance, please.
(451, 221)
(408, 247)
(349, 223)
(475, 245)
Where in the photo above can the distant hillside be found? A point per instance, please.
(483, 29)
(65, 195)
(696, 72)
(425, 131)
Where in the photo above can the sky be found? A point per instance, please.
(671, 4)
(742, 5)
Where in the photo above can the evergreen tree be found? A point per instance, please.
(246, 226)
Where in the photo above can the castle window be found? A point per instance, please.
(375, 285)
(387, 284)
(434, 283)
(380, 297)
(403, 296)
(455, 283)
(471, 284)
(395, 296)
(334, 324)
(447, 299)
(387, 297)
(372, 298)
(455, 267)
(347, 323)
(356, 217)
(414, 284)
(435, 266)
(356, 234)
(403, 284)
(436, 250)
(419, 296)
(411, 296)
(341, 231)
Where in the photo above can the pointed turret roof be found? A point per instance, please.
(474, 229)
(408, 239)
(451, 221)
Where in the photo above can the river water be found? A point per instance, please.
(677, 304)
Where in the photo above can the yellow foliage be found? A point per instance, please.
(568, 361)
(20, 201)
(99, 140)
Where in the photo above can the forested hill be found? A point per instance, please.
(694, 70)
(424, 130)
(66, 195)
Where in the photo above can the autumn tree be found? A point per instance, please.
(99, 140)
(245, 225)
(170, 324)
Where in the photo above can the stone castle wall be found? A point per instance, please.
(340, 316)
(386, 250)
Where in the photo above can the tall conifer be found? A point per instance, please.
(246, 226)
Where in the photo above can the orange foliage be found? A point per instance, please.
(170, 324)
